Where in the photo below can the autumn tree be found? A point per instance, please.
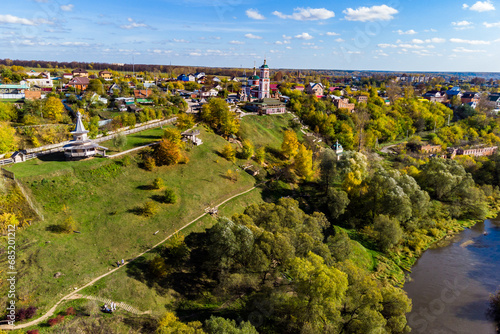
(247, 149)
(53, 109)
(260, 155)
(228, 152)
(303, 163)
(8, 139)
(290, 144)
(166, 153)
(217, 114)
(170, 324)
(7, 112)
(185, 121)
(172, 134)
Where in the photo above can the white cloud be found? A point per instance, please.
(16, 20)
(67, 8)
(278, 43)
(462, 49)
(304, 35)
(287, 37)
(430, 30)
(236, 42)
(330, 33)
(417, 41)
(492, 25)
(133, 25)
(374, 13)
(410, 46)
(461, 23)
(307, 14)
(195, 54)
(385, 45)
(480, 6)
(288, 47)
(252, 36)
(254, 14)
(435, 40)
(470, 42)
(340, 40)
(176, 40)
(407, 32)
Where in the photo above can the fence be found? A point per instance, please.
(47, 149)
(8, 174)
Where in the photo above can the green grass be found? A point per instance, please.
(265, 130)
(137, 139)
(99, 195)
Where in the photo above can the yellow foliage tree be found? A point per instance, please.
(290, 144)
(8, 139)
(304, 163)
(53, 109)
(170, 324)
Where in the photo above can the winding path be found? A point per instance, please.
(74, 294)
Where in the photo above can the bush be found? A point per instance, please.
(70, 311)
(69, 225)
(167, 153)
(158, 183)
(228, 152)
(54, 321)
(170, 197)
(120, 141)
(149, 163)
(149, 209)
(30, 312)
(33, 331)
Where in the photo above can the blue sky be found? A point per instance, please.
(445, 35)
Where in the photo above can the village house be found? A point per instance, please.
(495, 100)
(45, 81)
(80, 83)
(32, 94)
(142, 93)
(342, 103)
(67, 76)
(10, 91)
(106, 75)
(469, 97)
(315, 89)
(435, 96)
(206, 92)
(455, 91)
(476, 151)
(361, 98)
(80, 73)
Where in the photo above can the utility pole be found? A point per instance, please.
(448, 120)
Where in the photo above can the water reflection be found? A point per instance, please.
(450, 285)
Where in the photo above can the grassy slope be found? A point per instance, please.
(101, 205)
(109, 232)
(136, 139)
(265, 130)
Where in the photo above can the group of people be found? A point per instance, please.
(110, 308)
(122, 263)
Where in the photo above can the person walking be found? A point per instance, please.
(123, 262)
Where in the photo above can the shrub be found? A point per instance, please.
(69, 225)
(170, 197)
(149, 209)
(70, 311)
(120, 141)
(33, 331)
(228, 152)
(149, 163)
(158, 183)
(30, 312)
(54, 321)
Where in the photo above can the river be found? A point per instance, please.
(451, 283)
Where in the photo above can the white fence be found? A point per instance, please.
(11, 96)
(47, 149)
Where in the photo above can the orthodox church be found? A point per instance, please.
(257, 93)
